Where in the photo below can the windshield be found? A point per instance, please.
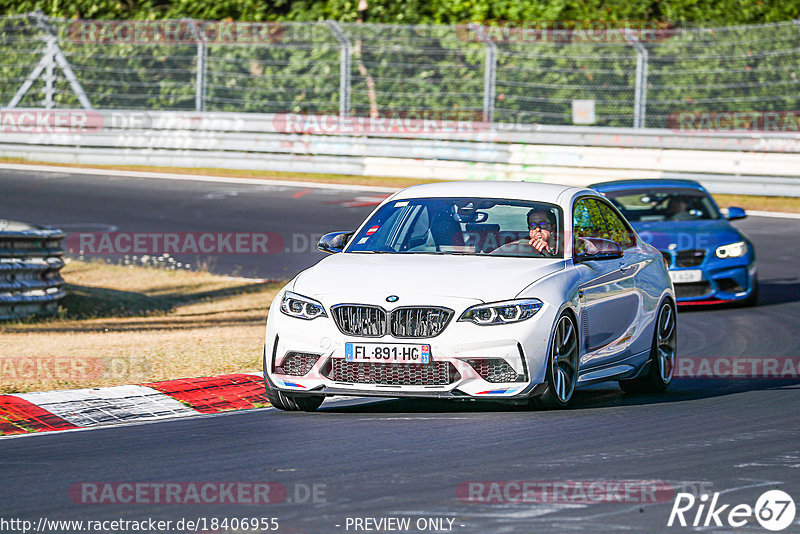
(472, 226)
(673, 204)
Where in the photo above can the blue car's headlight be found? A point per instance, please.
(301, 307)
(509, 311)
(734, 250)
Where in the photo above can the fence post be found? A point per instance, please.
(202, 68)
(489, 72)
(200, 79)
(640, 92)
(344, 68)
(52, 53)
(49, 76)
(58, 55)
(489, 81)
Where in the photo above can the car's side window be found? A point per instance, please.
(587, 221)
(617, 230)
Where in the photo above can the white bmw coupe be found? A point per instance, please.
(515, 292)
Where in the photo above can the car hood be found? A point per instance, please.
(415, 279)
(685, 235)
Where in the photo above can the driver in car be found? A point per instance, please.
(541, 239)
(541, 231)
(678, 209)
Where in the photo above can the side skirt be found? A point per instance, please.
(630, 367)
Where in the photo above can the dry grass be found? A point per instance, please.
(124, 325)
(785, 204)
(380, 181)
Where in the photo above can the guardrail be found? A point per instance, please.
(30, 260)
(725, 162)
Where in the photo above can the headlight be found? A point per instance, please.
(301, 307)
(509, 311)
(734, 250)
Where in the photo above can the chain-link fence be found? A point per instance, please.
(370, 69)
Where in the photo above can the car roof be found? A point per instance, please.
(539, 192)
(649, 183)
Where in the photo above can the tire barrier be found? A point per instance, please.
(31, 259)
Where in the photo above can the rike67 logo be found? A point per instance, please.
(774, 510)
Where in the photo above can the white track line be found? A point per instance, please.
(774, 214)
(194, 178)
(258, 181)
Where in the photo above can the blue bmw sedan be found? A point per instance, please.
(709, 260)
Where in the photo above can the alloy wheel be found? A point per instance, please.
(666, 343)
(563, 359)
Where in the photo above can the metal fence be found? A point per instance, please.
(633, 79)
(30, 262)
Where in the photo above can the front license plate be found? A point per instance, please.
(387, 353)
(684, 277)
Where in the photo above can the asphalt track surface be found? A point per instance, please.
(84, 204)
(406, 458)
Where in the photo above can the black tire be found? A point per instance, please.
(663, 355)
(294, 403)
(562, 365)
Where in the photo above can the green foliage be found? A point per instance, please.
(700, 12)
(425, 67)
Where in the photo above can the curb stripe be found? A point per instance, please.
(216, 394)
(96, 406)
(23, 413)
(19, 416)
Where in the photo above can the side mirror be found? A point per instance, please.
(334, 242)
(736, 213)
(598, 249)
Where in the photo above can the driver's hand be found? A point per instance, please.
(540, 245)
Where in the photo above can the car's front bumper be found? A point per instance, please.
(523, 346)
(723, 280)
